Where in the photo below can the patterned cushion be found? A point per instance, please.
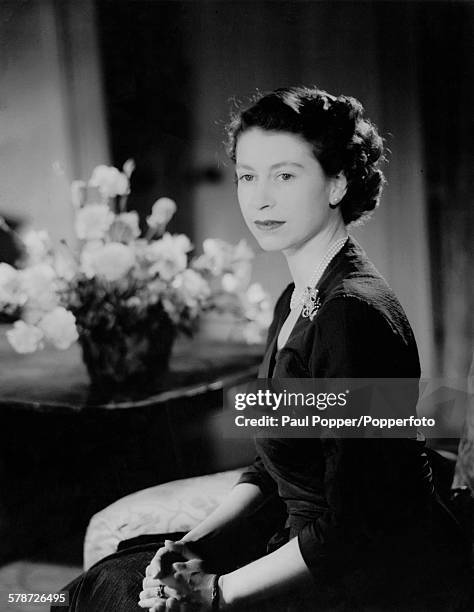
(174, 506)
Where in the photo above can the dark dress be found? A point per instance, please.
(370, 525)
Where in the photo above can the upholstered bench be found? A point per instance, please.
(181, 504)
(174, 506)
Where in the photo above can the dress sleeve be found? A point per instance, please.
(352, 340)
(257, 474)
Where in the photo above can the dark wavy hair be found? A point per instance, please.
(342, 139)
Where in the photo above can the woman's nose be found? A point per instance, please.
(262, 196)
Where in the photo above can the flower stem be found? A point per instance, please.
(123, 203)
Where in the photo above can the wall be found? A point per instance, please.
(51, 112)
(446, 62)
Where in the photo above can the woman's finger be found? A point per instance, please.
(158, 593)
(151, 597)
(161, 564)
(175, 605)
(147, 594)
(154, 567)
(151, 603)
(148, 582)
(182, 584)
(172, 604)
(179, 566)
(180, 548)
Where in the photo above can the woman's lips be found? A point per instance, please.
(269, 224)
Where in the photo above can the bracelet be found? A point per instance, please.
(215, 594)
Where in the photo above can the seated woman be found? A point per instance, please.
(364, 527)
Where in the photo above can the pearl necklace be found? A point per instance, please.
(308, 299)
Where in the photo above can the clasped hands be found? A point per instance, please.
(175, 580)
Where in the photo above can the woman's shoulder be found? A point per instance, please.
(355, 289)
(361, 327)
(356, 334)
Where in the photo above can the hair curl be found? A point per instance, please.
(342, 139)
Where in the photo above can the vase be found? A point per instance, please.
(132, 355)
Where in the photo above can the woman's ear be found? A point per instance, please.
(338, 189)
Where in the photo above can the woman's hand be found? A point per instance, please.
(157, 597)
(158, 585)
(161, 564)
(187, 586)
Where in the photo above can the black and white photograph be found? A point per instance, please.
(236, 305)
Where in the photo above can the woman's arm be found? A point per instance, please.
(243, 498)
(253, 488)
(269, 576)
(241, 501)
(277, 573)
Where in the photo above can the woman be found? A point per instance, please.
(364, 528)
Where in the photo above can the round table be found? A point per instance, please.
(66, 453)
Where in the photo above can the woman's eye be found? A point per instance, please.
(285, 176)
(246, 178)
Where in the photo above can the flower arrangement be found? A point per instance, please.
(123, 290)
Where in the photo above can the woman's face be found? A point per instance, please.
(282, 190)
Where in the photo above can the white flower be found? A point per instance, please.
(87, 257)
(242, 251)
(243, 272)
(256, 293)
(230, 283)
(38, 245)
(8, 275)
(257, 310)
(38, 283)
(128, 168)
(219, 249)
(111, 261)
(132, 220)
(252, 333)
(217, 257)
(25, 338)
(93, 221)
(140, 247)
(264, 317)
(241, 264)
(125, 227)
(10, 287)
(59, 327)
(65, 265)
(168, 255)
(162, 211)
(109, 181)
(192, 286)
(133, 302)
(237, 281)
